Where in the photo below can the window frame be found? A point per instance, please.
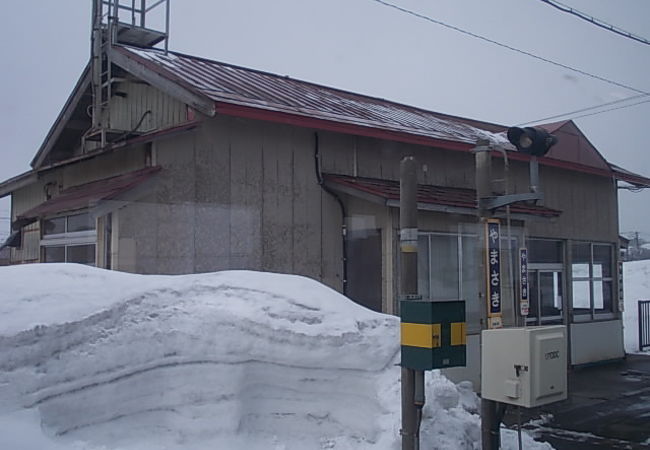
(593, 315)
(69, 239)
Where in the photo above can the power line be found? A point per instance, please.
(611, 109)
(590, 108)
(514, 49)
(599, 23)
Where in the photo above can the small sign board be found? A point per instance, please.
(524, 299)
(493, 267)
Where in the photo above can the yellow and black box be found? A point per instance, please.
(433, 334)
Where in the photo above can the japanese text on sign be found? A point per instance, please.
(493, 249)
(524, 300)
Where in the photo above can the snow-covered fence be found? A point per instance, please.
(644, 324)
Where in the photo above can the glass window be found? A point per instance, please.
(444, 267)
(81, 254)
(69, 239)
(592, 282)
(448, 269)
(438, 268)
(55, 225)
(544, 251)
(581, 297)
(602, 261)
(423, 266)
(550, 284)
(470, 282)
(80, 222)
(54, 254)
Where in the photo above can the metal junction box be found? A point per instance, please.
(433, 334)
(524, 366)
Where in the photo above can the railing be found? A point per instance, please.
(644, 324)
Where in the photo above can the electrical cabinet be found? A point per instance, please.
(433, 334)
(524, 366)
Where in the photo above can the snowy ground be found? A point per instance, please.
(636, 286)
(99, 360)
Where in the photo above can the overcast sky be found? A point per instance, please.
(363, 46)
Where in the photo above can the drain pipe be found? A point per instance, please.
(344, 230)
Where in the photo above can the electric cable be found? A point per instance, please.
(608, 110)
(509, 47)
(590, 108)
(599, 23)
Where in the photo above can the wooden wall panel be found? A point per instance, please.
(127, 111)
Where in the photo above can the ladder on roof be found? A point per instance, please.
(119, 22)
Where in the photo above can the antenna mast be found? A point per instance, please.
(119, 22)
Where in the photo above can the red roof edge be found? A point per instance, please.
(430, 194)
(630, 177)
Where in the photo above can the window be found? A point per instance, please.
(546, 286)
(447, 270)
(70, 239)
(592, 280)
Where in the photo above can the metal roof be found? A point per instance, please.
(443, 196)
(231, 84)
(89, 194)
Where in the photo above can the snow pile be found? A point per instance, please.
(99, 360)
(636, 286)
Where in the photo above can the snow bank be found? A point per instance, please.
(636, 286)
(93, 359)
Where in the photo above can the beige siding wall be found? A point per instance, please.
(126, 112)
(103, 166)
(237, 194)
(376, 158)
(21, 201)
(588, 202)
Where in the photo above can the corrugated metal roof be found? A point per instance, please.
(429, 194)
(89, 194)
(638, 181)
(226, 83)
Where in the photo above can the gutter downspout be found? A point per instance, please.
(344, 231)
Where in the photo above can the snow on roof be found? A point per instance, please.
(222, 82)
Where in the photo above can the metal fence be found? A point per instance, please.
(644, 324)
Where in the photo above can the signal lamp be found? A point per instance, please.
(530, 140)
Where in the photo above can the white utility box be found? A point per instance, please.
(524, 366)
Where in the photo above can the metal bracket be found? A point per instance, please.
(503, 200)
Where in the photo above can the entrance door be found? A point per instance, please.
(364, 267)
(546, 285)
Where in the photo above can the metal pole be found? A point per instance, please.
(167, 27)
(533, 170)
(408, 221)
(483, 159)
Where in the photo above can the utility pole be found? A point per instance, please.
(412, 380)
(490, 433)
